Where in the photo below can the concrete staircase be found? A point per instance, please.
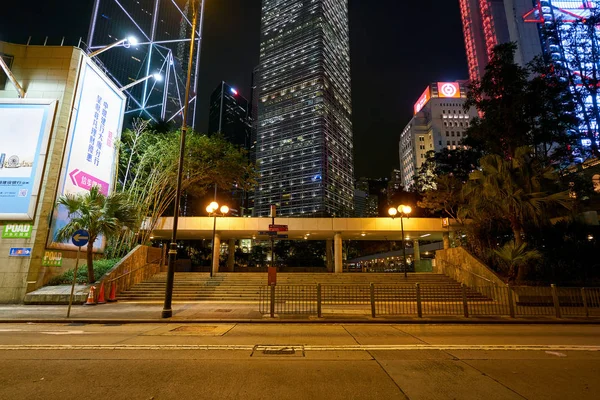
(245, 287)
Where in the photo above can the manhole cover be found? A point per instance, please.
(197, 330)
(223, 310)
(194, 329)
(278, 350)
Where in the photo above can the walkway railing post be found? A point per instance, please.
(419, 309)
(585, 304)
(511, 304)
(272, 301)
(372, 298)
(319, 314)
(555, 300)
(464, 299)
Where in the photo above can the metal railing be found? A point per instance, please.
(430, 300)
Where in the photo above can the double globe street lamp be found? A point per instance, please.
(404, 212)
(213, 210)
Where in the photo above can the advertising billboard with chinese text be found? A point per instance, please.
(25, 127)
(425, 97)
(449, 90)
(91, 155)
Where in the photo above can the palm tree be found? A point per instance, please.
(518, 190)
(517, 257)
(99, 215)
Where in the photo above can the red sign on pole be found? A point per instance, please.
(278, 228)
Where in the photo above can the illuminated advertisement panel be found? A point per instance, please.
(25, 127)
(425, 97)
(91, 155)
(449, 90)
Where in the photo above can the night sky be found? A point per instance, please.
(397, 48)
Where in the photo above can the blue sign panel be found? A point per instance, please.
(24, 133)
(80, 238)
(20, 252)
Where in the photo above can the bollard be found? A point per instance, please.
(419, 309)
(319, 314)
(555, 300)
(372, 298)
(464, 298)
(272, 301)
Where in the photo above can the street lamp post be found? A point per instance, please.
(404, 212)
(212, 211)
(167, 311)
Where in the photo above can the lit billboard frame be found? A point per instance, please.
(91, 153)
(423, 100)
(449, 90)
(28, 122)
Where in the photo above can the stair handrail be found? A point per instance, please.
(137, 269)
(466, 270)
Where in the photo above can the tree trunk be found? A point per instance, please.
(522, 273)
(90, 260)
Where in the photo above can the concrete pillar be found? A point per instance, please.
(329, 254)
(216, 253)
(446, 239)
(337, 252)
(231, 256)
(416, 250)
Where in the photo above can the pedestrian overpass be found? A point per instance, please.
(334, 229)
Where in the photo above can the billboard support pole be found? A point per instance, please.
(167, 311)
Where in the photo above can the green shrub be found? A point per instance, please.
(100, 268)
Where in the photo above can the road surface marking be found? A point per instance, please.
(306, 347)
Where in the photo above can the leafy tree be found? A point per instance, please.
(99, 215)
(517, 258)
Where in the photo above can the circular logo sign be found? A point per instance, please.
(448, 90)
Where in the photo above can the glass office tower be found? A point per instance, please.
(304, 145)
(163, 30)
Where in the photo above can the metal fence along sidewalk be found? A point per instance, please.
(431, 300)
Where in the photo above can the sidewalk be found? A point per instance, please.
(211, 312)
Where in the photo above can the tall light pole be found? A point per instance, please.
(404, 212)
(167, 311)
(212, 211)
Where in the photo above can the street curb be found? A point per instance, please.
(304, 321)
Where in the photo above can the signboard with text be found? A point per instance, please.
(278, 228)
(424, 99)
(16, 231)
(24, 132)
(90, 156)
(52, 259)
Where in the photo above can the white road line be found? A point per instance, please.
(308, 347)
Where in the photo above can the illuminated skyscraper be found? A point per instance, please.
(304, 148)
(229, 115)
(163, 30)
(487, 23)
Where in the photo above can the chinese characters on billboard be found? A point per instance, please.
(90, 157)
(25, 127)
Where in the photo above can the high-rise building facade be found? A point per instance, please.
(487, 23)
(229, 114)
(439, 122)
(162, 30)
(304, 143)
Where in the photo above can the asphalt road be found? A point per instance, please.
(299, 361)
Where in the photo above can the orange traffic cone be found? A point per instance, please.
(113, 292)
(90, 299)
(101, 294)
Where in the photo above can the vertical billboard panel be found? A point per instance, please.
(25, 127)
(91, 155)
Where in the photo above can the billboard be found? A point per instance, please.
(24, 133)
(449, 90)
(90, 156)
(424, 99)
